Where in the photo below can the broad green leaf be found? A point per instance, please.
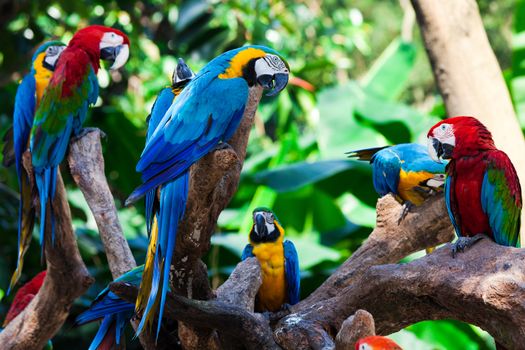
(390, 72)
(337, 129)
(292, 177)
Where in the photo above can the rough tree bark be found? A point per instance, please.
(87, 168)
(468, 75)
(67, 278)
(359, 325)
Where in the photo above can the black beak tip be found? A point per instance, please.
(279, 82)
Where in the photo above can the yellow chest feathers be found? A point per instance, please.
(408, 181)
(42, 76)
(272, 293)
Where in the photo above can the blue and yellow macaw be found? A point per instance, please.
(114, 312)
(206, 113)
(180, 78)
(64, 105)
(28, 97)
(405, 170)
(279, 262)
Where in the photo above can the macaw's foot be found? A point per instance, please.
(84, 131)
(465, 242)
(407, 206)
(221, 146)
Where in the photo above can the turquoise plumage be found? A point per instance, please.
(114, 312)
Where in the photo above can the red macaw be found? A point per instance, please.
(63, 108)
(24, 296)
(482, 189)
(376, 342)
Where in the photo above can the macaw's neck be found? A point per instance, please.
(90, 47)
(471, 141)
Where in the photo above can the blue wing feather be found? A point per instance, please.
(247, 252)
(25, 104)
(385, 171)
(449, 182)
(293, 277)
(500, 202)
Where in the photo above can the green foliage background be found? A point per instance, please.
(371, 87)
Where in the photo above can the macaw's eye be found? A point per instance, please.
(443, 127)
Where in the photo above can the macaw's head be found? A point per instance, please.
(376, 343)
(24, 296)
(257, 65)
(457, 137)
(47, 54)
(182, 74)
(266, 226)
(104, 43)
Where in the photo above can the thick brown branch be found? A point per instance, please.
(87, 168)
(250, 330)
(484, 286)
(425, 226)
(467, 72)
(359, 325)
(67, 279)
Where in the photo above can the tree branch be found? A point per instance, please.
(359, 325)
(67, 278)
(426, 226)
(87, 168)
(468, 75)
(233, 320)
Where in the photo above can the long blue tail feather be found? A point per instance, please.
(46, 184)
(173, 198)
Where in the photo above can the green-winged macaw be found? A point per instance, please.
(206, 113)
(376, 342)
(279, 262)
(23, 297)
(482, 189)
(114, 312)
(65, 102)
(28, 97)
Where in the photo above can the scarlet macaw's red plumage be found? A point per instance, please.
(482, 189)
(24, 296)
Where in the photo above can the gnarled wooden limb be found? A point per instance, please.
(87, 168)
(250, 330)
(425, 226)
(359, 325)
(67, 278)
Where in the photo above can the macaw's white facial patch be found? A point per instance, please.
(111, 39)
(270, 65)
(445, 134)
(52, 55)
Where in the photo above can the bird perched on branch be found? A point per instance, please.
(405, 170)
(279, 262)
(180, 78)
(482, 189)
(65, 102)
(114, 312)
(203, 116)
(23, 297)
(28, 97)
(376, 342)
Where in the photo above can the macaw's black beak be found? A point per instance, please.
(443, 150)
(275, 83)
(260, 225)
(183, 71)
(110, 53)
